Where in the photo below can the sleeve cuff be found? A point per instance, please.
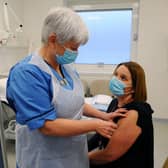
(39, 122)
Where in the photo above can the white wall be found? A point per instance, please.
(86, 2)
(17, 7)
(153, 52)
(153, 55)
(15, 18)
(10, 56)
(34, 13)
(1, 14)
(13, 52)
(160, 142)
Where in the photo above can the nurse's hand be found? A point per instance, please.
(106, 128)
(121, 112)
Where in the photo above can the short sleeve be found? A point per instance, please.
(29, 93)
(144, 112)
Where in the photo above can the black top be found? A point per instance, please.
(140, 155)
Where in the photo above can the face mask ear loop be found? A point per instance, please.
(68, 49)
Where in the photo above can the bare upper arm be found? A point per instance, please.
(125, 135)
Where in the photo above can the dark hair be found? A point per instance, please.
(138, 80)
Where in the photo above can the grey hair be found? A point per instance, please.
(66, 24)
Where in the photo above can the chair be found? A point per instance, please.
(85, 87)
(100, 87)
(9, 121)
(3, 152)
(3, 82)
(8, 114)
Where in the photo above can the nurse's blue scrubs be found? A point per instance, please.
(37, 93)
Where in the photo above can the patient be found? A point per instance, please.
(131, 145)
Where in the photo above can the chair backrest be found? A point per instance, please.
(3, 88)
(8, 113)
(100, 87)
(85, 87)
(3, 151)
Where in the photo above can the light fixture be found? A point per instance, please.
(7, 33)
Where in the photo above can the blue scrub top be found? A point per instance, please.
(29, 93)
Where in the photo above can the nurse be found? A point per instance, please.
(47, 96)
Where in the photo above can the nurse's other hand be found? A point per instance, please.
(121, 112)
(105, 128)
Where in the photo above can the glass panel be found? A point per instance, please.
(109, 37)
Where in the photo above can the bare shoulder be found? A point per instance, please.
(132, 117)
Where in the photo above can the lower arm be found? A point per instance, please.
(92, 112)
(99, 157)
(66, 127)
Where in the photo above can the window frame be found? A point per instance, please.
(108, 68)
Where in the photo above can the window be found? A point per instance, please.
(109, 37)
(112, 36)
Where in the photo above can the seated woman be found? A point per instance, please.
(131, 145)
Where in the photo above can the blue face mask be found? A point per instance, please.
(68, 57)
(116, 86)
